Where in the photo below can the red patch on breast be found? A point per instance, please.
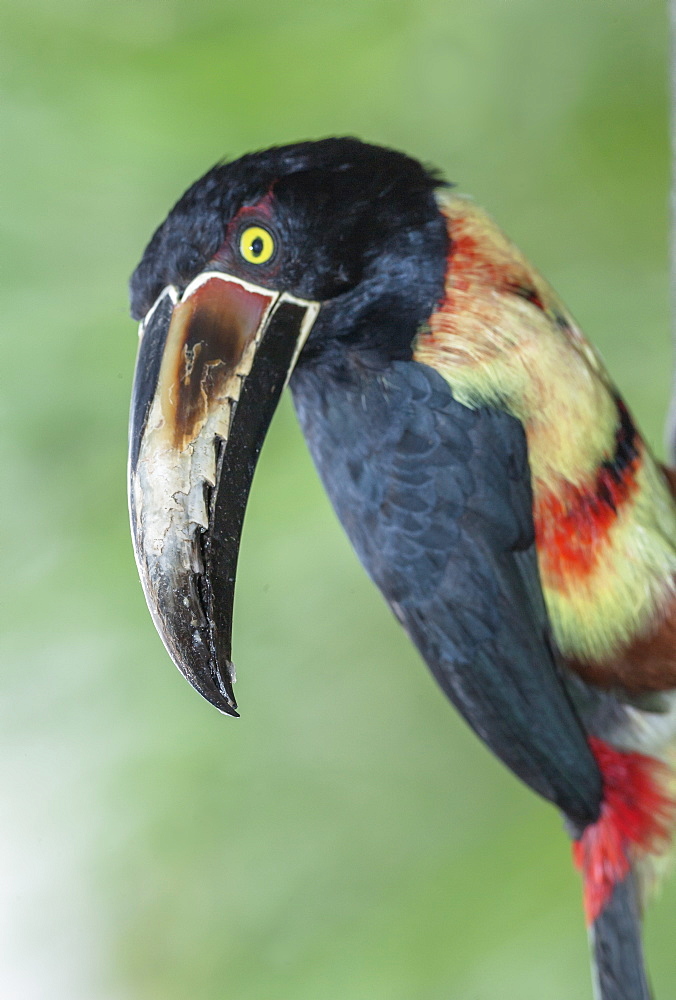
(571, 526)
(637, 817)
(572, 523)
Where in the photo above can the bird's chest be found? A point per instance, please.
(607, 557)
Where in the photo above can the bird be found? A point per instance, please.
(484, 466)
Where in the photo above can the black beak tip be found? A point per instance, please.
(216, 688)
(225, 709)
(225, 705)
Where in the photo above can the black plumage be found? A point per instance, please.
(436, 500)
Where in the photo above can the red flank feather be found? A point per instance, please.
(636, 817)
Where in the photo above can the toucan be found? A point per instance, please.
(485, 468)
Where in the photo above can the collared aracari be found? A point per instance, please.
(487, 472)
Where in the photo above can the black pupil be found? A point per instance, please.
(257, 246)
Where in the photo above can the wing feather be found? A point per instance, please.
(436, 499)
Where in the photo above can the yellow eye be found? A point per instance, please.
(256, 245)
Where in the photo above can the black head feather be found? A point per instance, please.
(352, 222)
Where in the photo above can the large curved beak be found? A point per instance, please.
(211, 367)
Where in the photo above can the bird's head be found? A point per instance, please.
(283, 257)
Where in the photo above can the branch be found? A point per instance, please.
(671, 419)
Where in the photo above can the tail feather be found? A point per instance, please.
(617, 953)
(632, 831)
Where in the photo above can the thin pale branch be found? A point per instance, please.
(671, 419)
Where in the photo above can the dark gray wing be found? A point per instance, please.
(437, 502)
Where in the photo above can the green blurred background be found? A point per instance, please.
(348, 838)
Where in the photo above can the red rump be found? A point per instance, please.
(636, 818)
